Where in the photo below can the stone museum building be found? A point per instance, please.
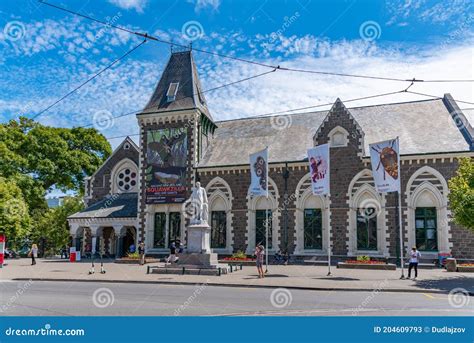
(138, 193)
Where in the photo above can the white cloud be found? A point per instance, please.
(204, 4)
(137, 5)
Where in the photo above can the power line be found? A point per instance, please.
(278, 67)
(438, 97)
(88, 80)
(184, 97)
(295, 109)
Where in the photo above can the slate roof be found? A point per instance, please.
(180, 68)
(113, 206)
(423, 127)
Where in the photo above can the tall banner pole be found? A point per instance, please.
(400, 228)
(329, 236)
(385, 160)
(266, 213)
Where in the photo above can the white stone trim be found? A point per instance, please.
(124, 163)
(379, 202)
(338, 130)
(251, 209)
(441, 202)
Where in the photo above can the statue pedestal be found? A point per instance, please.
(199, 238)
(198, 252)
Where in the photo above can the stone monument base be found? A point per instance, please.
(198, 260)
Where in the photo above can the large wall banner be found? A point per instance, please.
(259, 173)
(318, 158)
(165, 173)
(385, 159)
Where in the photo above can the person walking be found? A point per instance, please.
(141, 253)
(33, 253)
(172, 256)
(413, 262)
(260, 254)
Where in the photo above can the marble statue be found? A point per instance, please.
(199, 202)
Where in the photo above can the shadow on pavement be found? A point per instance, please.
(337, 278)
(448, 284)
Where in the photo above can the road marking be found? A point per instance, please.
(428, 295)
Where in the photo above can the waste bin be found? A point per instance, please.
(442, 258)
(72, 254)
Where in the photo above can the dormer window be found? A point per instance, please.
(172, 91)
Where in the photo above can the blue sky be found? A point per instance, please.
(45, 53)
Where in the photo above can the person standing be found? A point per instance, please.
(141, 253)
(34, 253)
(260, 254)
(413, 262)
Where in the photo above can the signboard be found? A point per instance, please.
(385, 159)
(318, 158)
(259, 173)
(166, 159)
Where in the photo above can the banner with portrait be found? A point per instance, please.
(259, 173)
(318, 158)
(165, 171)
(385, 159)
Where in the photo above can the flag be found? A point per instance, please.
(259, 173)
(318, 158)
(385, 159)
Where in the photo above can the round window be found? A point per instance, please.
(126, 179)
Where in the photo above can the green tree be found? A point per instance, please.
(14, 216)
(50, 228)
(51, 156)
(461, 195)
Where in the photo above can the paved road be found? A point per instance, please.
(95, 298)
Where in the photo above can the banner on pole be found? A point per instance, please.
(259, 173)
(318, 158)
(385, 159)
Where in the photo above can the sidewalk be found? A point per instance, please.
(294, 277)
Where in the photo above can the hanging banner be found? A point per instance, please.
(385, 159)
(165, 172)
(259, 173)
(318, 158)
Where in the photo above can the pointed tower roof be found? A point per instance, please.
(179, 87)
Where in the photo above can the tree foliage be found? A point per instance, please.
(14, 216)
(461, 195)
(52, 156)
(35, 159)
(50, 228)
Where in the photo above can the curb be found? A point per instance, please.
(303, 288)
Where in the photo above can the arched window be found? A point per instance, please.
(311, 220)
(367, 234)
(220, 214)
(256, 219)
(427, 215)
